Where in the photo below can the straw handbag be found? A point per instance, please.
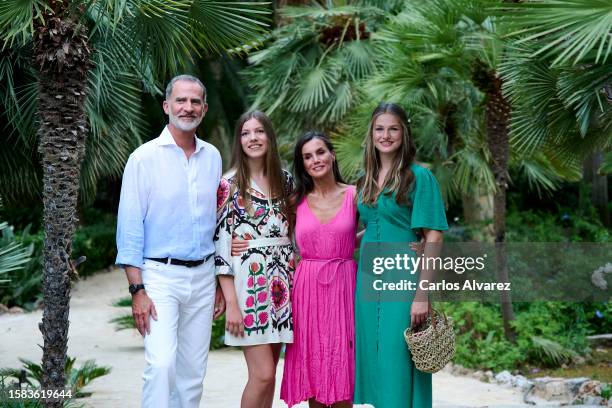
(432, 344)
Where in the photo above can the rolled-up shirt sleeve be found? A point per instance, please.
(131, 215)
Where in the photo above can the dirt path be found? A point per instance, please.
(92, 337)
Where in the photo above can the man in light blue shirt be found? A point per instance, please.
(165, 228)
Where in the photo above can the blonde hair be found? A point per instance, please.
(400, 178)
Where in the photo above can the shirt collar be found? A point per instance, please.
(166, 139)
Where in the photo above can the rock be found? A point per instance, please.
(15, 310)
(552, 389)
(579, 360)
(489, 374)
(589, 387)
(478, 375)
(460, 370)
(601, 340)
(522, 383)
(504, 377)
(448, 368)
(575, 384)
(3, 309)
(592, 400)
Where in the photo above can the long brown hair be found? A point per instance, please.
(400, 177)
(272, 169)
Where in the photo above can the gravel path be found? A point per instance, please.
(92, 337)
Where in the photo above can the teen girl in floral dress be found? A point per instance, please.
(252, 200)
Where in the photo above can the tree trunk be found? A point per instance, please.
(497, 114)
(61, 54)
(478, 210)
(599, 185)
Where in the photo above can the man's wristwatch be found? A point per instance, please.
(135, 288)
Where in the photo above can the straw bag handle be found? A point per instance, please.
(433, 320)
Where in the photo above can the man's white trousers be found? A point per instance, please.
(176, 351)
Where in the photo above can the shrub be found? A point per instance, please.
(30, 375)
(24, 287)
(97, 243)
(548, 334)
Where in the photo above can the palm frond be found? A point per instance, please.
(309, 73)
(580, 90)
(85, 374)
(539, 173)
(16, 20)
(221, 25)
(114, 111)
(322, 13)
(349, 153)
(161, 31)
(18, 91)
(13, 256)
(316, 85)
(570, 30)
(472, 171)
(550, 352)
(359, 58)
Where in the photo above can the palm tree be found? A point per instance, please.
(441, 59)
(441, 48)
(84, 54)
(307, 75)
(559, 79)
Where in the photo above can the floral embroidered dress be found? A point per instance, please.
(263, 275)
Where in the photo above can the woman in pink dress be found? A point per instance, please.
(320, 364)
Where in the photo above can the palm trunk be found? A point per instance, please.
(599, 185)
(61, 54)
(497, 114)
(478, 210)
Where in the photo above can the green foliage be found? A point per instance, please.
(606, 391)
(13, 255)
(532, 226)
(24, 288)
(76, 378)
(123, 302)
(557, 74)
(550, 352)
(308, 74)
(548, 334)
(137, 46)
(570, 31)
(6, 402)
(123, 322)
(97, 243)
(430, 55)
(218, 334)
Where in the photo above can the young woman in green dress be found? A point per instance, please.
(399, 201)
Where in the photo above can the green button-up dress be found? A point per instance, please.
(385, 374)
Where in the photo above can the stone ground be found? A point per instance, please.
(93, 337)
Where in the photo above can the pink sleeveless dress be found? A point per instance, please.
(320, 363)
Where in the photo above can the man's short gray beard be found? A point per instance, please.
(182, 125)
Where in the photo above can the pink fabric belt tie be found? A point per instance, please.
(338, 262)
